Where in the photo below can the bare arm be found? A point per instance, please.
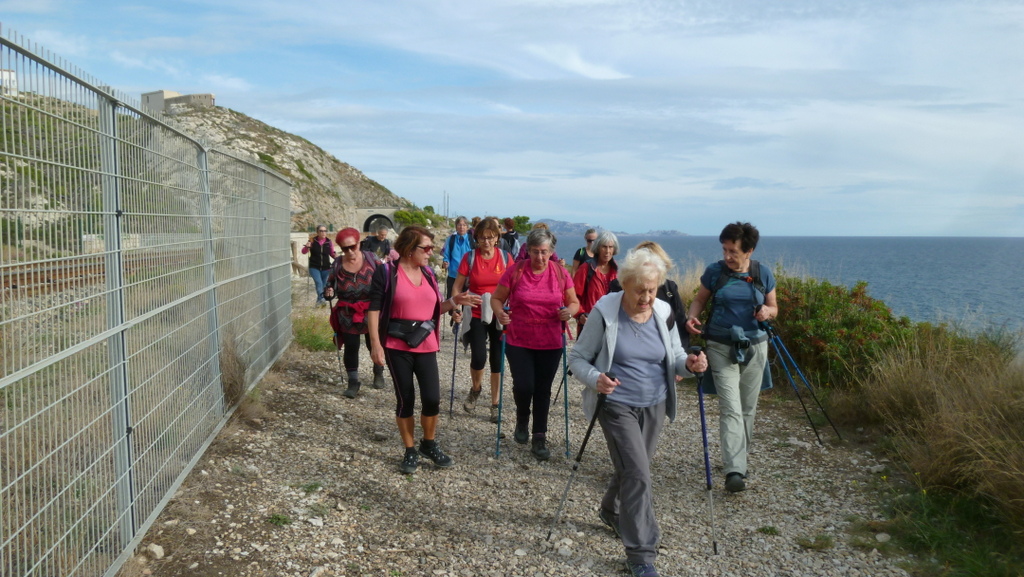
(692, 324)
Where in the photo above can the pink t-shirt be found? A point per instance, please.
(534, 302)
(414, 303)
(485, 274)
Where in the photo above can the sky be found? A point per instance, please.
(821, 118)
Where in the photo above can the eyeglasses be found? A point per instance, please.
(489, 238)
(349, 248)
(590, 240)
(427, 248)
(321, 230)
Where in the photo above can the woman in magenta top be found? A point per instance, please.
(479, 273)
(404, 294)
(541, 299)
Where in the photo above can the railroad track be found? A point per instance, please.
(32, 279)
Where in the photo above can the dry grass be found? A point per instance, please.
(954, 408)
(232, 370)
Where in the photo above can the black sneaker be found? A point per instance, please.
(432, 451)
(521, 435)
(410, 462)
(540, 449)
(734, 482)
(610, 519)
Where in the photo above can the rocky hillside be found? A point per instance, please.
(324, 189)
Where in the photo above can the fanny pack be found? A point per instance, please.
(412, 332)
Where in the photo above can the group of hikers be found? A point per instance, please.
(511, 300)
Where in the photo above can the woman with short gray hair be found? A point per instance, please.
(593, 277)
(628, 359)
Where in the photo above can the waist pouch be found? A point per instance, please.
(412, 332)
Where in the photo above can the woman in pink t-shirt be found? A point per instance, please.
(541, 299)
(404, 295)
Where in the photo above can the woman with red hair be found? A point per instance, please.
(349, 282)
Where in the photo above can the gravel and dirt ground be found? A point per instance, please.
(311, 488)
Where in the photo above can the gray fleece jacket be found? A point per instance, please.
(593, 351)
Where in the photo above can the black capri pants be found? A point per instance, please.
(480, 335)
(404, 367)
(350, 343)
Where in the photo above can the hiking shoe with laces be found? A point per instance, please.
(470, 403)
(410, 462)
(734, 482)
(610, 519)
(432, 451)
(540, 449)
(641, 569)
(494, 413)
(521, 435)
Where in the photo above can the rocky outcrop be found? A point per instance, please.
(324, 189)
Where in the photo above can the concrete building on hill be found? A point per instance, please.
(8, 82)
(161, 100)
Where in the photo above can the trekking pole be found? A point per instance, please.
(707, 457)
(565, 329)
(565, 384)
(792, 383)
(579, 456)
(501, 393)
(455, 356)
(780, 346)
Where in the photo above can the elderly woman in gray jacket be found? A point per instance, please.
(627, 334)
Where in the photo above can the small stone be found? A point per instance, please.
(876, 469)
(564, 551)
(193, 566)
(171, 523)
(379, 436)
(316, 522)
(190, 531)
(520, 552)
(337, 541)
(155, 551)
(883, 537)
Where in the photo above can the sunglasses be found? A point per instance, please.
(590, 240)
(322, 230)
(427, 248)
(349, 248)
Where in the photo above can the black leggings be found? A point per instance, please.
(479, 334)
(351, 345)
(423, 366)
(533, 371)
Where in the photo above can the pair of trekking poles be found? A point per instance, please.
(501, 386)
(782, 353)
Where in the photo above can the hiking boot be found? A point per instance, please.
(521, 435)
(539, 449)
(432, 451)
(410, 462)
(378, 377)
(641, 569)
(734, 482)
(610, 519)
(352, 390)
(494, 413)
(470, 403)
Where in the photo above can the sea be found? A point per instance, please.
(975, 283)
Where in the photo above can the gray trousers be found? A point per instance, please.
(632, 436)
(738, 389)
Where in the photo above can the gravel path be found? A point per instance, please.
(329, 466)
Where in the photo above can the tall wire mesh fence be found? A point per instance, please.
(146, 286)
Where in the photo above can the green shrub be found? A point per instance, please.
(833, 332)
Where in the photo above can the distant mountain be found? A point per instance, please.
(576, 230)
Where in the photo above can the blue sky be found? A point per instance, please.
(804, 117)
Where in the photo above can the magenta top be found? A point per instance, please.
(414, 303)
(534, 302)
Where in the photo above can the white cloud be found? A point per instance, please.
(569, 59)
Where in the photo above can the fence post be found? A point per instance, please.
(210, 267)
(116, 345)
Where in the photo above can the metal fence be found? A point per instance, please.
(146, 286)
